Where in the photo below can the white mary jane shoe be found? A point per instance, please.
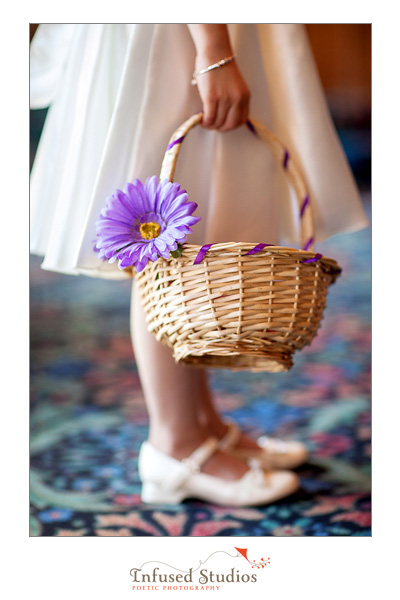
(272, 453)
(167, 480)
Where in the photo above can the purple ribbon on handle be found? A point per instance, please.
(303, 208)
(285, 159)
(177, 141)
(308, 243)
(251, 127)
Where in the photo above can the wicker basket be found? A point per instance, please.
(237, 310)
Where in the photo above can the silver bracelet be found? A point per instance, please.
(220, 63)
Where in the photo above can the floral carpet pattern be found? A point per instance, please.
(88, 416)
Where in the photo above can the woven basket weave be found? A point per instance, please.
(237, 310)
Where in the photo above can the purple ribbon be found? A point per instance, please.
(177, 141)
(204, 249)
(286, 159)
(257, 248)
(251, 127)
(202, 253)
(314, 259)
(308, 243)
(303, 208)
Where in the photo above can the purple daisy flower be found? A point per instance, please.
(144, 222)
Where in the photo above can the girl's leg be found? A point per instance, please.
(174, 397)
(215, 425)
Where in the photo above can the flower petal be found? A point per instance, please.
(138, 195)
(174, 205)
(169, 240)
(182, 212)
(161, 247)
(151, 189)
(124, 204)
(140, 265)
(125, 262)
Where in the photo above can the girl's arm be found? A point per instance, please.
(223, 91)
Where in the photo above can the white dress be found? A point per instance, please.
(116, 94)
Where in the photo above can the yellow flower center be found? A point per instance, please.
(149, 230)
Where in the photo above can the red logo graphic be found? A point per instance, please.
(262, 563)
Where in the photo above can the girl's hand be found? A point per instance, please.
(223, 90)
(225, 96)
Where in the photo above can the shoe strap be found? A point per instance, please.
(231, 437)
(192, 464)
(201, 455)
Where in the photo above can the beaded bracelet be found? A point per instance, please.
(220, 63)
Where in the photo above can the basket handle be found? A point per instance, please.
(278, 150)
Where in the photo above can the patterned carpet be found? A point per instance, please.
(88, 416)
